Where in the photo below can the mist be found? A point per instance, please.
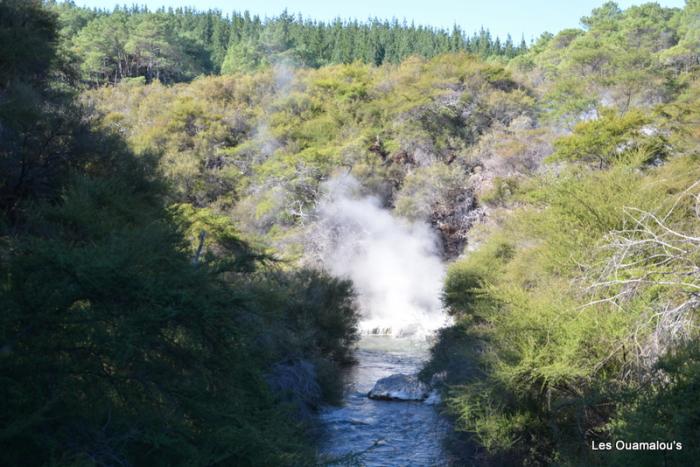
(394, 264)
(283, 75)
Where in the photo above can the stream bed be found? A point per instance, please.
(368, 432)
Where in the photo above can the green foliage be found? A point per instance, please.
(427, 188)
(541, 363)
(668, 410)
(468, 281)
(131, 351)
(502, 190)
(36, 127)
(319, 310)
(260, 144)
(684, 56)
(122, 45)
(606, 139)
(28, 41)
(623, 59)
(179, 44)
(123, 340)
(142, 325)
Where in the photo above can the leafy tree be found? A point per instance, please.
(102, 46)
(34, 112)
(603, 140)
(604, 17)
(155, 50)
(684, 56)
(220, 38)
(245, 56)
(177, 45)
(29, 41)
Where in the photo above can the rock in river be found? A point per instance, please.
(399, 387)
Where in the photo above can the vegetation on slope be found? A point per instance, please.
(132, 331)
(259, 146)
(143, 325)
(576, 313)
(564, 150)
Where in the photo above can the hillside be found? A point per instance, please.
(169, 210)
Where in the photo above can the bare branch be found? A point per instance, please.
(651, 252)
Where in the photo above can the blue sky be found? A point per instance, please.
(528, 17)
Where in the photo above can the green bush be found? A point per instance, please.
(540, 363)
(131, 333)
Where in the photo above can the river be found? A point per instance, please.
(366, 432)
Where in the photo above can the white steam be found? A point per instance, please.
(394, 264)
(283, 75)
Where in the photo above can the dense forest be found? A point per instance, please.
(160, 174)
(180, 44)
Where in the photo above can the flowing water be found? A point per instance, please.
(369, 432)
(397, 272)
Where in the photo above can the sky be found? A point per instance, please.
(517, 17)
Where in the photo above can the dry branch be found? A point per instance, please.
(652, 250)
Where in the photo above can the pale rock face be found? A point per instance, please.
(399, 387)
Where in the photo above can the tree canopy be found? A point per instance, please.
(179, 44)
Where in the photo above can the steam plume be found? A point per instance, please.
(394, 264)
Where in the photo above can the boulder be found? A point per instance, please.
(399, 387)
